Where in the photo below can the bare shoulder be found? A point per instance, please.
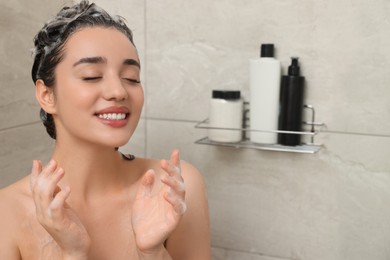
(192, 177)
(196, 194)
(10, 196)
(13, 200)
(191, 239)
(11, 207)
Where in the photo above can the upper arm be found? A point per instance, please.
(191, 239)
(8, 246)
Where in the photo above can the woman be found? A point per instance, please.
(90, 201)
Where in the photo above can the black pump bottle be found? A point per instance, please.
(291, 105)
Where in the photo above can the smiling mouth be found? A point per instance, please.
(113, 116)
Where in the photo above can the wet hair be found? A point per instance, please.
(49, 43)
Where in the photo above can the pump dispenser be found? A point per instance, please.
(291, 105)
(293, 69)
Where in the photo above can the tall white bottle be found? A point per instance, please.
(264, 82)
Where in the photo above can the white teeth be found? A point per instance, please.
(112, 116)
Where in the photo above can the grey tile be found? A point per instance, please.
(329, 205)
(218, 253)
(235, 255)
(19, 147)
(230, 254)
(348, 86)
(18, 26)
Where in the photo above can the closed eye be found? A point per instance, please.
(91, 78)
(133, 81)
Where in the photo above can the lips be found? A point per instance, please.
(113, 113)
(113, 110)
(114, 116)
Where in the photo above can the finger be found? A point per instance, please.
(49, 168)
(170, 168)
(55, 210)
(56, 191)
(52, 183)
(176, 185)
(146, 186)
(52, 188)
(39, 178)
(46, 187)
(36, 169)
(175, 158)
(178, 204)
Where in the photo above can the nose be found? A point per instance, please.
(114, 89)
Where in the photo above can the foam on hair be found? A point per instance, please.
(50, 40)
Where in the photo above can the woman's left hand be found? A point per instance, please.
(156, 214)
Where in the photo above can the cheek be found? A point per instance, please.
(142, 99)
(72, 97)
(138, 98)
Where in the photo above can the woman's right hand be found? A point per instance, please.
(54, 214)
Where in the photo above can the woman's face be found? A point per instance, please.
(98, 96)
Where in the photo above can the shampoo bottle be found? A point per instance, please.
(264, 87)
(291, 105)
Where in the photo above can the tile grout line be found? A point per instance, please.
(170, 120)
(146, 80)
(319, 132)
(19, 126)
(249, 253)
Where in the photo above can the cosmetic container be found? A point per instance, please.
(291, 105)
(264, 86)
(225, 116)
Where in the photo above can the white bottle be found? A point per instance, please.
(226, 111)
(264, 83)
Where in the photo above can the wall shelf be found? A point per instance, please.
(304, 148)
(308, 148)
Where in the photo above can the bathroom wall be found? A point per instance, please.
(274, 205)
(21, 136)
(264, 205)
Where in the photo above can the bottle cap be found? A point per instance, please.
(293, 69)
(267, 50)
(227, 94)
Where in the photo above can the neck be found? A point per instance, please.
(90, 171)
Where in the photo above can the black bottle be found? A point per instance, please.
(291, 105)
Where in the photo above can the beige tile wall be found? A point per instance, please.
(331, 205)
(264, 205)
(22, 136)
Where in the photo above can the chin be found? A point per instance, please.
(111, 141)
(110, 138)
(119, 143)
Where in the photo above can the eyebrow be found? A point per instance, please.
(93, 60)
(101, 60)
(132, 62)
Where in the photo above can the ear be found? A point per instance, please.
(45, 96)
